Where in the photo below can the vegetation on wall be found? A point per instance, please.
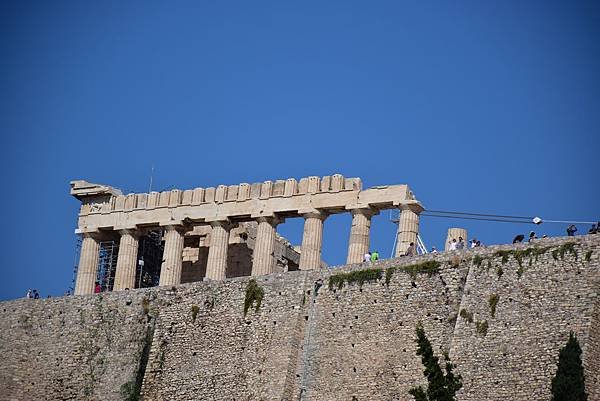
(567, 247)
(493, 302)
(130, 391)
(254, 295)
(588, 255)
(482, 328)
(465, 314)
(360, 276)
(195, 310)
(569, 382)
(429, 267)
(440, 386)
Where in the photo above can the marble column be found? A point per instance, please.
(217, 253)
(408, 229)
(170, 270)
(263, 259)
(88, 265)
(312, 240)
(358, 245)
(455, 233)
(126, 261)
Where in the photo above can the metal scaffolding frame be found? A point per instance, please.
(107, 264)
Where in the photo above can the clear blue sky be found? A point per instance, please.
(478, 106)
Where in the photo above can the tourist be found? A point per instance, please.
(478, 244)
(461, 243)
(593, 230)
(36, 294)
(374, 256)
(473, 242)
(367, 257)
(98, 288)
(532, 236)
(571, 230)
(452, 246)
(29, 294)
(410, 251)
(519, 238)
(433, 250)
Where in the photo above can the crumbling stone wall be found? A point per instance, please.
(310, 342)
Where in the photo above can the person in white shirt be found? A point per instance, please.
(367, 257)
(433, 250)
(452, 245)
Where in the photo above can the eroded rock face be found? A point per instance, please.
(309, 341)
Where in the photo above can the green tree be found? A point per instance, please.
(440, 387)
(569, 382)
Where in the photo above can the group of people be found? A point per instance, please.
(32, 294)
(370, 257)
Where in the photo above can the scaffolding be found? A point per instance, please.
(150, 254)
(107, 264)
(420, 245)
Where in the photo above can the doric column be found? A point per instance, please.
(456, 233)
(170, 270)
(358, 245)
(88, 265)
(217, 253)
(312, 240)
(126, 261)
(408, 229)
(263, 260)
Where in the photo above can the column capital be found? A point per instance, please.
(413, 206)
(272, 220)
(313, 213)
(367, 211)
(226, 224)
(180, 228)
(129, 231)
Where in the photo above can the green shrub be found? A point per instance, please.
(588, 255)
(440, 386)
(195, 310)
(569, 382)
(493, 302)
(254, 294)
(477, 260)
(359, 276)
(482, 328)
(499, 271)
(465, 314)
(429, 267)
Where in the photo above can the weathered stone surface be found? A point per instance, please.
(311, 342)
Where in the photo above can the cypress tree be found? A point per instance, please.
(440, 387)
(569, 382)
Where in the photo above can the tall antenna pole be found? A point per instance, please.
(151, 175)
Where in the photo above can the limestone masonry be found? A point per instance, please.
(215, 218)
(302, 339)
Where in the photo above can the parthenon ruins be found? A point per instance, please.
(217, 212)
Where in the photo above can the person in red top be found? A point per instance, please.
(98, 288)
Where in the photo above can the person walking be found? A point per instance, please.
(374, 256)
(532, 236)
(571, 230)
(36, 294)
(410, 251)
(367, 257)
(433, 250)
(98, 288)
(29, 294)
(461, 243)
(452, 246)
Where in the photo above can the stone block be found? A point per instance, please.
(186, 199)
(232, 193)
(142, 201)
(255, 190)
(243, 192)
(291, 187)
(130, 202)
(120, 203)
(209, 195)
(175, 198)
(153, 199)
(337, 183)
(303, 186)
(325, 184)
(314, 184)
(198, 196)
(278, 188)
(163, 199)
(266, 190)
